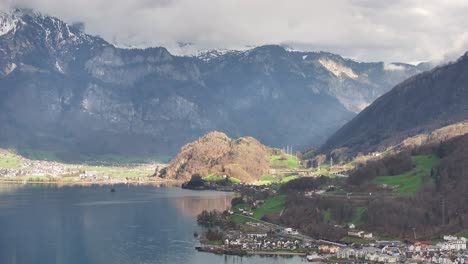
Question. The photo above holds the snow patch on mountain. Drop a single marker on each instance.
(8, 22)
(58, 67)
(338, 69)
(208, 55)
(9, 68)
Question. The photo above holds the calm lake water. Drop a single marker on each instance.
(43, 224)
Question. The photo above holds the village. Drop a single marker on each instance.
(258, 237)
(287, 241)
(22, 170)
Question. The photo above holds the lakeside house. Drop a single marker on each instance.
(451, 250)
(328, 249)
(88, 175)
(291, 231)
(262, 241)
(371, 254)
(452, 243)
(360, 234)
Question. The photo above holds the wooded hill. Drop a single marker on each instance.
(421, 104)
(420, 191)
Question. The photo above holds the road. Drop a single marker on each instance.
(299, 236)
(360, 196)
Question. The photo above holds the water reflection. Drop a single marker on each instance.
(136, 224)
(191, 206)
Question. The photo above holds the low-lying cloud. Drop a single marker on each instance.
(400, 30)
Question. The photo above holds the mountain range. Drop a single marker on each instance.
(67, 91)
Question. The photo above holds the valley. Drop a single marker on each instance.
(139, 154)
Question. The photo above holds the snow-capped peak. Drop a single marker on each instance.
(208, 55)
(8, 22)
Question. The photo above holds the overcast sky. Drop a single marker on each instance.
(367, 30)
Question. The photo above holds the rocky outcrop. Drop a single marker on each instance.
(245, 158)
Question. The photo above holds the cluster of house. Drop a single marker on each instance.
(290, 231)
(247, 211)
(9, 172)
(371, 254)
(360, 234)
(243, 211)
(251, 191)
(453, 243)
(451, 250)
(40, 168)
(328, 249)
(263, 241)
(92, 175)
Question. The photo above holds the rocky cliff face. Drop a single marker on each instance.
(245, 159)
(62, 89)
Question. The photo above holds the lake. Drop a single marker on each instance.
(44, 224)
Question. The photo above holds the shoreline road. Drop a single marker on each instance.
(297, 236)
(360, 196)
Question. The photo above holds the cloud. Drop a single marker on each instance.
(393, 67)
(368, 30)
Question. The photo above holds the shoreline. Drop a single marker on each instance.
(220, 250)
(172, 183)
(276, 253)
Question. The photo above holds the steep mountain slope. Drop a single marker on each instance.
(245, 159)
(69, 92)
(422, 103)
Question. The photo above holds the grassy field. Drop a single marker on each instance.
(9, 161)
(323, 170)
(284, 161)
(272, 205)
(288, 179)
(217, 178)
(462, 234)
(215, 243)
(327, 217)
(238, 217)
(357, 219)
(411, 181)
(268, 179)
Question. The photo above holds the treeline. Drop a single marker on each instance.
(318, 216)
(440, 208)
(213, 235)
(387, 166)
(216, 218)
(304, 184)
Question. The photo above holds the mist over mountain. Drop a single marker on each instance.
(419, 105)
(70, 92)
